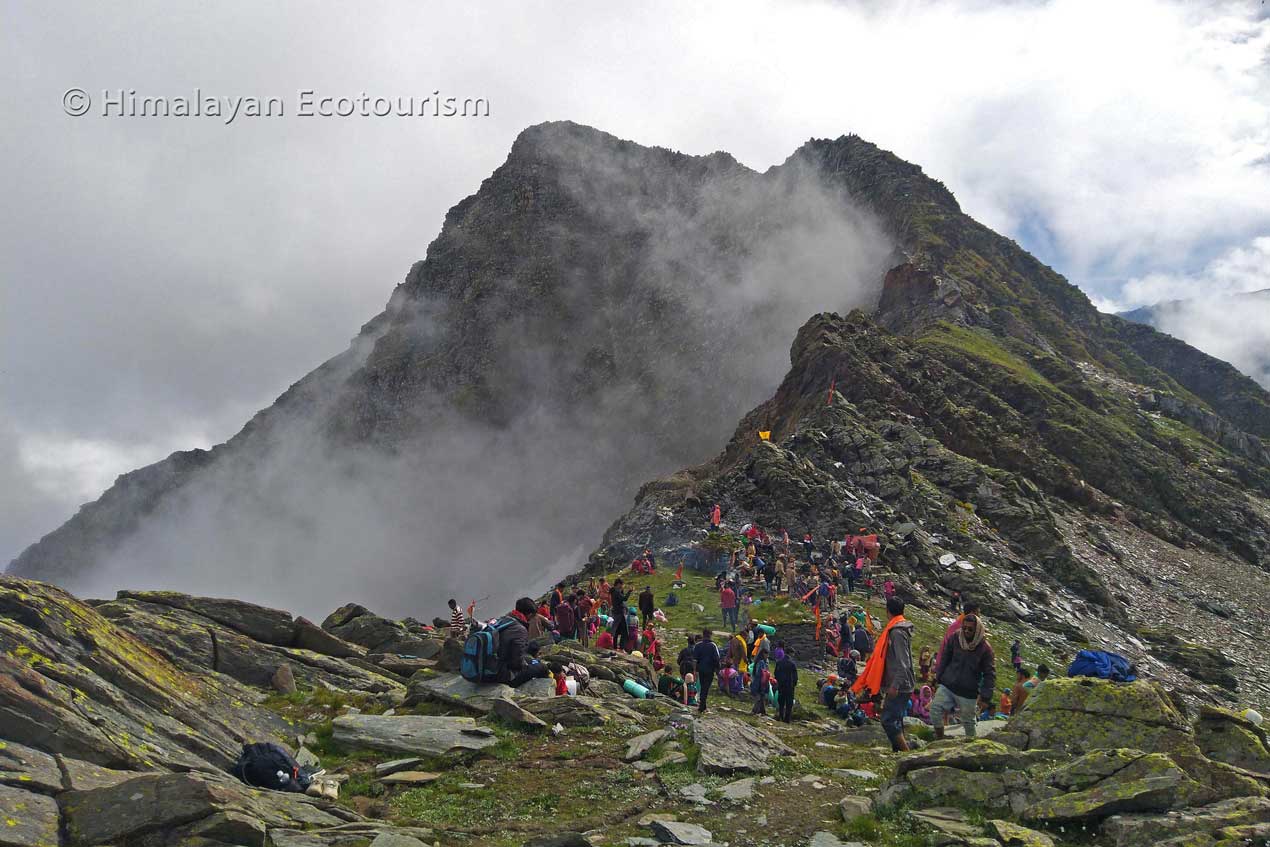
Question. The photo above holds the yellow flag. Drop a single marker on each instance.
(765, 434)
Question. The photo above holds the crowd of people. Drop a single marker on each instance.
(875, 675)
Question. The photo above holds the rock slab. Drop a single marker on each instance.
(678, 832)
(417, 734)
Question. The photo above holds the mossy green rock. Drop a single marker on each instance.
(979, 755)
(945, 784)
(1152, 793)
(1083, 713)
(1091, 768)
(1227, 737)
(1013, 835)
(1133, 830)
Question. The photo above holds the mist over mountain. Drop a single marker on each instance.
(600, 313)
(596, 313)
(1232, 327)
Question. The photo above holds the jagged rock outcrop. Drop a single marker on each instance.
(196, 635)
(74, 683)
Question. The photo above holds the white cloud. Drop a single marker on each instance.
(170, 276)
(1238, 270)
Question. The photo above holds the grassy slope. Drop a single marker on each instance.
(536, 783)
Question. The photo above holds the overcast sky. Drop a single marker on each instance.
(165, 278)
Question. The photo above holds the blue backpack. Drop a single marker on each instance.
(480, 653)
(672, 599)
(1103, 665)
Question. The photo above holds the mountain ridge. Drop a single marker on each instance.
(651, 290)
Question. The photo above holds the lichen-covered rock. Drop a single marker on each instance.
(1083, 713)
(510, 711)
(566, 711)
(359, 625)
(641, 744)
(310, 636)
(944, 784)
(1134, 830)
(26, 767)
(1013, 835)
(166, 802)
(981, 754)
(1093, 767)
(1155, 792)
(1227, 737)
(73, 682)
(259, 623)
(85, 776)
(27, 819)
(197, 644)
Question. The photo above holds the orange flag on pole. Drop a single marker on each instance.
(832, 382)
(817, 623)
(679, 574)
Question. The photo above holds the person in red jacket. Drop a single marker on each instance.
(727, 603)
(716, 518)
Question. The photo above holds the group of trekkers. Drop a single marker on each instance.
(957, 680)
(748, 664)
(876, 675)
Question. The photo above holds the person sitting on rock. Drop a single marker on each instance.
(513, 641)
(829, 692)
(849, 667)
(534, 668)
(921, 703)
(965, 671)
(458, 622)
(730, 680)
(691, 691)
(671, 686)
(1023, 686)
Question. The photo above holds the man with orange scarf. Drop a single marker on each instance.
(889, 672)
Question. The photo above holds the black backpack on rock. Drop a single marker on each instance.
(266, 765)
